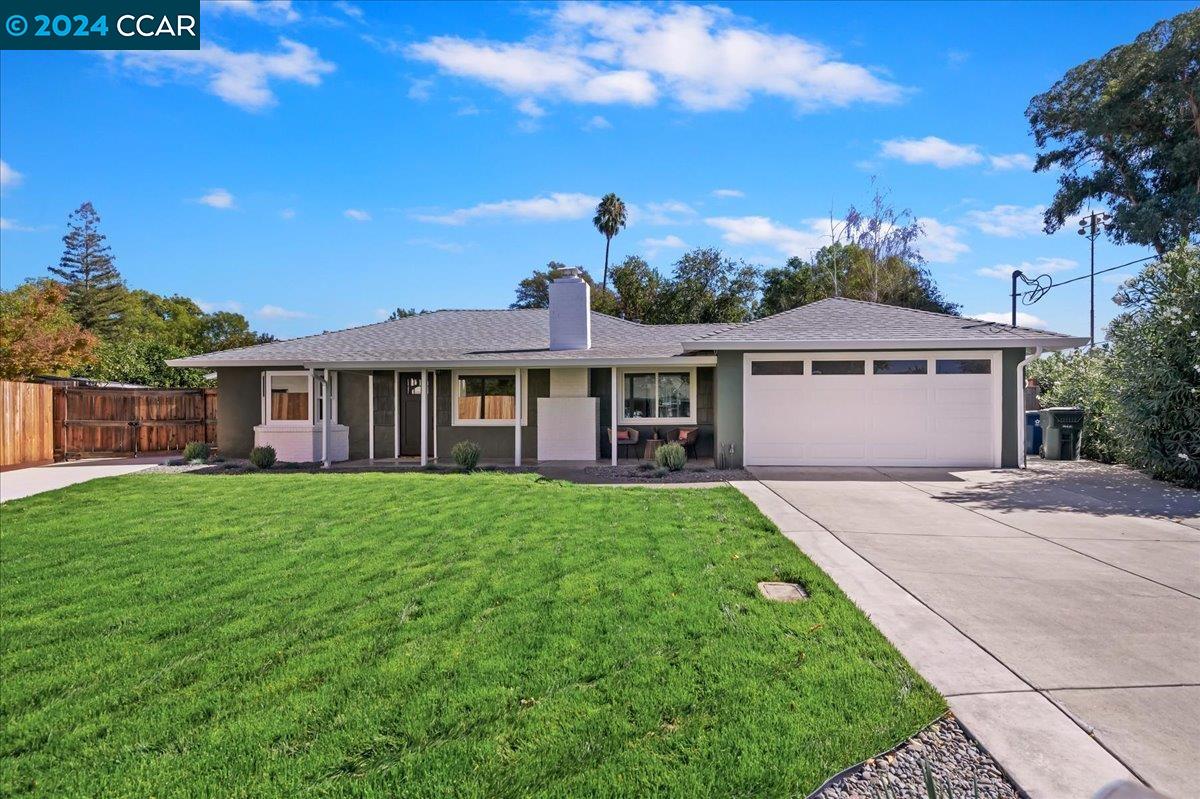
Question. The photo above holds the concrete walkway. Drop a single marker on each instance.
(1057, 609)
(27, 482)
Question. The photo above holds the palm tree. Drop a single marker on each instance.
(609, 219)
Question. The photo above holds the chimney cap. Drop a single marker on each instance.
(568, 273)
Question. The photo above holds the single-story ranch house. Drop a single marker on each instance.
(836, 382)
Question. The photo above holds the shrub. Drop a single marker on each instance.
(671, 456)
(196, 451)
(1086, 379)
(263, 457)
(466, 454)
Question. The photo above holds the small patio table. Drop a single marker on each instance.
(652, 445)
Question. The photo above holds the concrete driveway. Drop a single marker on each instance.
(20, 483)
(1081, 580)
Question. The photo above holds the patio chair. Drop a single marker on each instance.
(626, 437)
(688, 437)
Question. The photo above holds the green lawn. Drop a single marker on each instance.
(425, 635)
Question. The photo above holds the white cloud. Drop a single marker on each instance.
(1009, 221)
(1032, 268)
(357, 214)
(9, 177)
(556, 207)
(530, 108)
(1001, 163)
(420, 89)
(287, 213)
(940, 242)
(761, 230)
(597, 123)
(276, 312)
(728, 193)
(932, 150)
(382, 314)
(349, 9)
(220, 305)
(15, 226)
(671, 212)
(274, 12)
(669, 242)
(1004, 318)
(243, 79)
(217, 198)
(703, 58)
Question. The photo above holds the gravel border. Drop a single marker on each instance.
(953, 757)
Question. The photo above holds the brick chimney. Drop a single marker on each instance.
(570, 311)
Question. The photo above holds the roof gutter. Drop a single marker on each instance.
(844, 345)
(527, 363)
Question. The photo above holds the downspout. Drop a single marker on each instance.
(1037, 352)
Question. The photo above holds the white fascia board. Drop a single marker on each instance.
(528, 363)
(1048, 343)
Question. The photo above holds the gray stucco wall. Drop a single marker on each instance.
(600, 387)
(729, 409)
(1010, 456)
(239, 408)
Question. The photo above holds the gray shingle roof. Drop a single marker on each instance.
(521, 336)
(848, 323)
(463, 336)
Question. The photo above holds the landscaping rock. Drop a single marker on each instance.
(954, 759)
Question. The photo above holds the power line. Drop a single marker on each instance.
(1102, 271)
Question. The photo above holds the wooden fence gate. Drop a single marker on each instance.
(95, 421)
(26, 425)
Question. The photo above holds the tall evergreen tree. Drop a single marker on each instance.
(95, 291)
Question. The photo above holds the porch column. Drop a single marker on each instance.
(325, 419)
(435, 415)
(371, 415)
(396, 415)
(612, 434)
(424, 417)
(517, 423)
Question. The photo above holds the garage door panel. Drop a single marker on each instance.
(869, 419)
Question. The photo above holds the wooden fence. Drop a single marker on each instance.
(26, 424)
(95, 421)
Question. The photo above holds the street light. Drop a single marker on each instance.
(1092, 226)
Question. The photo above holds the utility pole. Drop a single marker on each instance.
(1091, 226)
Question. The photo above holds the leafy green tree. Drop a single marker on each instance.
(609, 219)
(638, 290)
(706, 286)
(179, 322)
(95, 291)
(1086, 379)
(534, 291)
(142, 362)
(1156, 347)
(38, 336)
(1123, 130)
(403, 313)
(849, 270)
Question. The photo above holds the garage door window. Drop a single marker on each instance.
(964, 366)
(891, 367)
(777, 368)
(838, 367)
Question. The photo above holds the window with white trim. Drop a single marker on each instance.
(288, 398)
(482, 399)
(658, 396)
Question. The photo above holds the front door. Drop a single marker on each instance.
(410, 414)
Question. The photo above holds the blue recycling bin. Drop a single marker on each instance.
(1033, 432)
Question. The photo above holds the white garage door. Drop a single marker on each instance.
(880, 409)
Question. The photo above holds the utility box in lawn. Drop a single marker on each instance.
(1062, 433)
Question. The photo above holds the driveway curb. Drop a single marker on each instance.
(1043, 751)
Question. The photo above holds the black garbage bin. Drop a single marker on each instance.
(1062, 433)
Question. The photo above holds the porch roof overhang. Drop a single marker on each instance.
(844, 345)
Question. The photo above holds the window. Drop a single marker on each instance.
(838, 367)
(776, 368)
(288, 397)
(657, 396)
(487, 397)
(915, 367)
(964, 366)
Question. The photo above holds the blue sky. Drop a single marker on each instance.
(317, 164)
